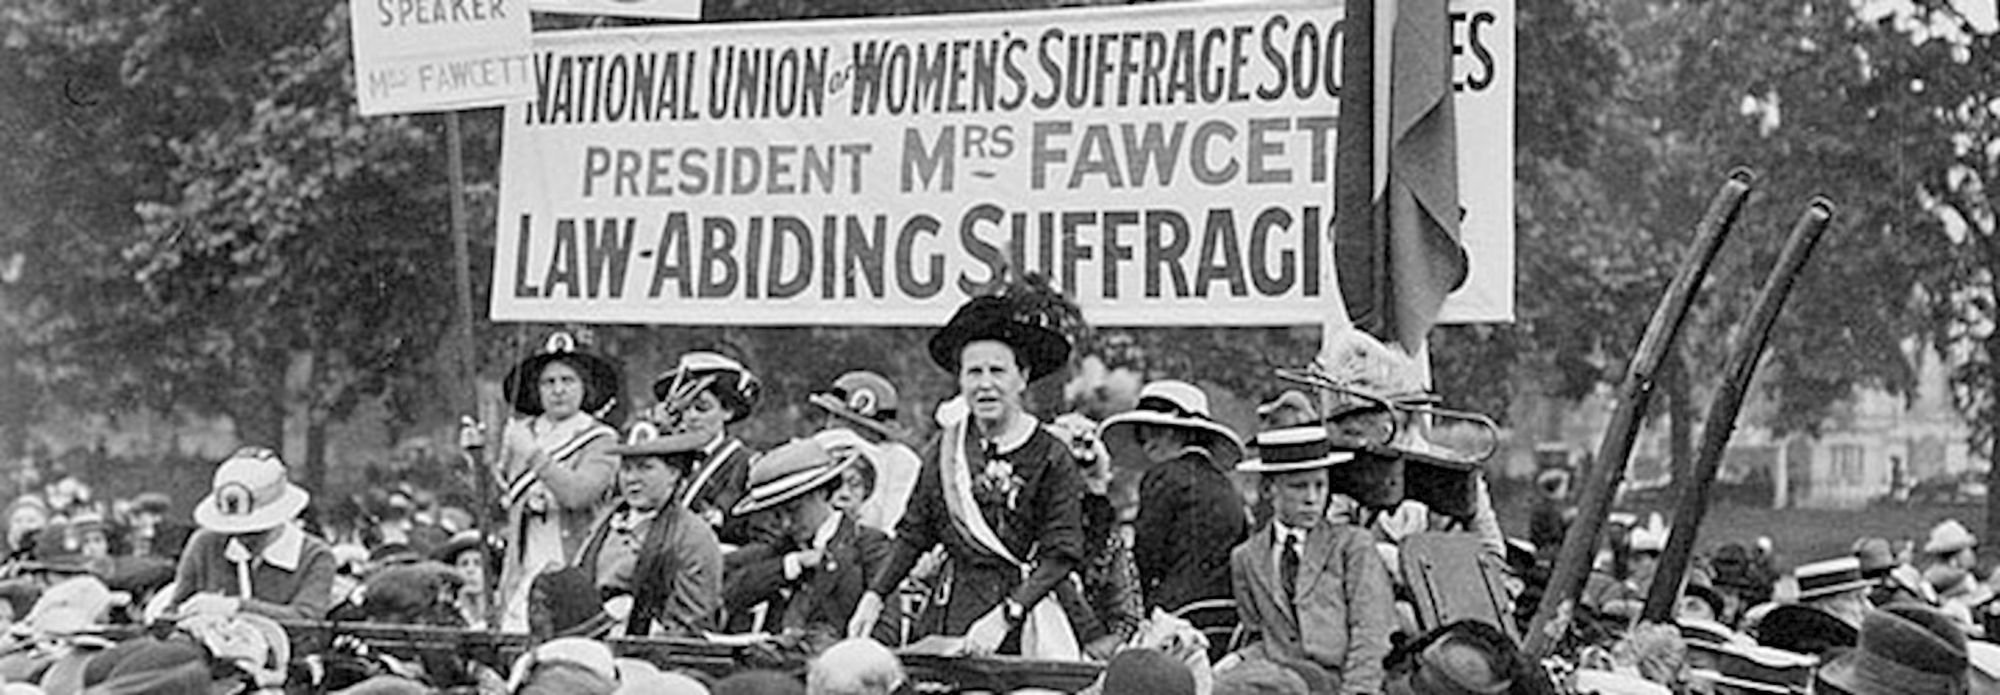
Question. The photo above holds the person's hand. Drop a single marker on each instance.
(1103, 648)
(988, 632)
(209, 603)
(865, 614)
(809, 559)
(471, 433)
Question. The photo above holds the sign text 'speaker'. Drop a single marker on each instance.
(438, 55)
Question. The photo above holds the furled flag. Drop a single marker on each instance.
(1396, 232)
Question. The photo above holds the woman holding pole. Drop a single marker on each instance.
(555, 464)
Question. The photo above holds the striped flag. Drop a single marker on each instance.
(1396, 231)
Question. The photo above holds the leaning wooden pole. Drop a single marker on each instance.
(1721, 421)
(468, 348)
(1600, 483)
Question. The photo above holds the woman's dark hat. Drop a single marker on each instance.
(734, 384)
(1804, 629)
(1041, 349)
(600, 377)
(645, 439)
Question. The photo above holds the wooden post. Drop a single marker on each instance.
(1601, 481)
(468, 349)
(1721, 421)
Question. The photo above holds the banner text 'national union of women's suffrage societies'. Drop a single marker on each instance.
(1167, 164)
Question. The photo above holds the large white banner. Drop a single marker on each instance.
(439, 55)
(1167, 164)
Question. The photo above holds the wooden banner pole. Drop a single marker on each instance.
(1721, 420)
(1601, 481)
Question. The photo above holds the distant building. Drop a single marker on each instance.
(1872, 445)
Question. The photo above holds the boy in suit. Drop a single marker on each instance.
(810, 581)
(1308, 589)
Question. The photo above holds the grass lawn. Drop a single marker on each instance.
(1804, 535)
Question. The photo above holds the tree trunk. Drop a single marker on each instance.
(1992, 455)
(312, 475)
(259, 414)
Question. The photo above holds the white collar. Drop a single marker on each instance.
(710, 448)
(826, 530)
(1286, 531)
(283, 552)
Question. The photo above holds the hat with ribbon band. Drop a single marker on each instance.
(735, 386)
(798, 467)
(1176, 404)
(1293, 449)
(251, 493)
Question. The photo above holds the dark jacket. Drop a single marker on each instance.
(1046, 517)
(678, 581)
(1189, 518)
(821, 599)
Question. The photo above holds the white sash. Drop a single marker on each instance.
(526, 481)
(1046, 632)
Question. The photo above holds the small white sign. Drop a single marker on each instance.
(689, 10)
(439, 55)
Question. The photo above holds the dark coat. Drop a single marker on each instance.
(721, 480)
(1046, 518)
(684, 595)
(820, 601)
(1189, 518)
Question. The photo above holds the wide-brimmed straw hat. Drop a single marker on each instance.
(1949, 536)
(1293, 449)
(251, 493)
(1753, 669)
(1177, 404)
(523, 388)
(1040, 348)
(735, 385)
(864, 399)
(784, 473)
(1829, 577)
(1903, 649)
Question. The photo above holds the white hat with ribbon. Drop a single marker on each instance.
(251, 493)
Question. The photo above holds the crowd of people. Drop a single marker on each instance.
(1336, 550)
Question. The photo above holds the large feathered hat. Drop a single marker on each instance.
(1029, 316)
